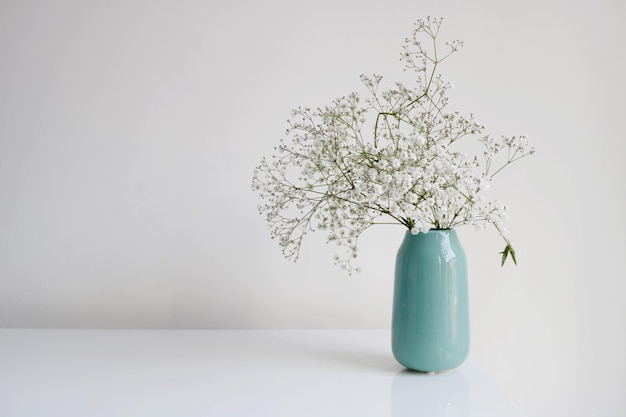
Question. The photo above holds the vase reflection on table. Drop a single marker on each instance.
(442, 395)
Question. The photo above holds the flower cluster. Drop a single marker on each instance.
(392, 157)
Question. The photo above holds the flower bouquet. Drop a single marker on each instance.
(392, 155)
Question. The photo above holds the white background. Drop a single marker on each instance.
(129, 131)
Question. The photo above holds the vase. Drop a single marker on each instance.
(430, 323)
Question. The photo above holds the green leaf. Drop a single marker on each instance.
(505, 253)
(513, 256)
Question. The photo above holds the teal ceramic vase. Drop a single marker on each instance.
(430, 324)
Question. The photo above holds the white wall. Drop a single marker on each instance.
(129, 131)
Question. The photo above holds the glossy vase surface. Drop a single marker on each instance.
(430, 325)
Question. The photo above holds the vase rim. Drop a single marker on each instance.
(452, 229)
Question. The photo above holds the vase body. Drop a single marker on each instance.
(430, 324)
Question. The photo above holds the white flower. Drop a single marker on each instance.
(483, 184)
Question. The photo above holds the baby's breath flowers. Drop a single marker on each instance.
(392, 157)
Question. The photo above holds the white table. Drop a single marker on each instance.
(115, 373)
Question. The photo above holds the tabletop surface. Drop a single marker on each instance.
(229, 373)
